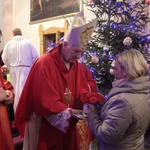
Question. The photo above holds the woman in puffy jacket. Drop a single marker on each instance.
(124, 118)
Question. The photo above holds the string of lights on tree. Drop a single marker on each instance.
(121, 25)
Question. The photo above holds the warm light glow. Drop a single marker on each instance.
(90, 2)
(119, 1)
(8, 77)
(147, 2)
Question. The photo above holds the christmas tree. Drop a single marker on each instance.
(121, 25)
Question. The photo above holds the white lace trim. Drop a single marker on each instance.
(60, 120)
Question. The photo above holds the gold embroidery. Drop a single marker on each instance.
(85, 35)
(82, 130)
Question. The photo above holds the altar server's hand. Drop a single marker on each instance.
(9, 98)
(3, 94)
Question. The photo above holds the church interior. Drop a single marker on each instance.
(42, 22)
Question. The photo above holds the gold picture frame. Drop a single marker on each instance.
(45, 10)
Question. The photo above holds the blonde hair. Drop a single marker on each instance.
(17, 31)
(133, 62)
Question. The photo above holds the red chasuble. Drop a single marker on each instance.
(43, 94)
(84, 136)
(6, 142)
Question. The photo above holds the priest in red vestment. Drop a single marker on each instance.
(51, 101)
(6, 98)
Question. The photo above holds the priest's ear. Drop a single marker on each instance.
(65, 44)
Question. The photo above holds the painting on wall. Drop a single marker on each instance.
(43, 10)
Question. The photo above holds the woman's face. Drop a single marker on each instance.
(119, 72)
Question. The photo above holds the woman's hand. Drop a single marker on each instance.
(90, 107)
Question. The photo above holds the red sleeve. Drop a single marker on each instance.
(90, 79)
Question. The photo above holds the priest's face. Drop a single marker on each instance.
(71, 53)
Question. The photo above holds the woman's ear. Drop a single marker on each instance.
(124, 74)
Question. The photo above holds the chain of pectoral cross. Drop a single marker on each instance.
(67, 93)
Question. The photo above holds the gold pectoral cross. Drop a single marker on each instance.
(68, 96)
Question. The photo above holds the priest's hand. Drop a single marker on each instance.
(76, 113)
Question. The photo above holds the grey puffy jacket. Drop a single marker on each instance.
(124, 117)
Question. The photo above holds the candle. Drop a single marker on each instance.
(8, 77)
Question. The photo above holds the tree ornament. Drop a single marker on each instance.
(105, 47)
(94, 59)
(147, 2)
(127, 41)
(119, 2)
(90, 2)
(112, 69)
